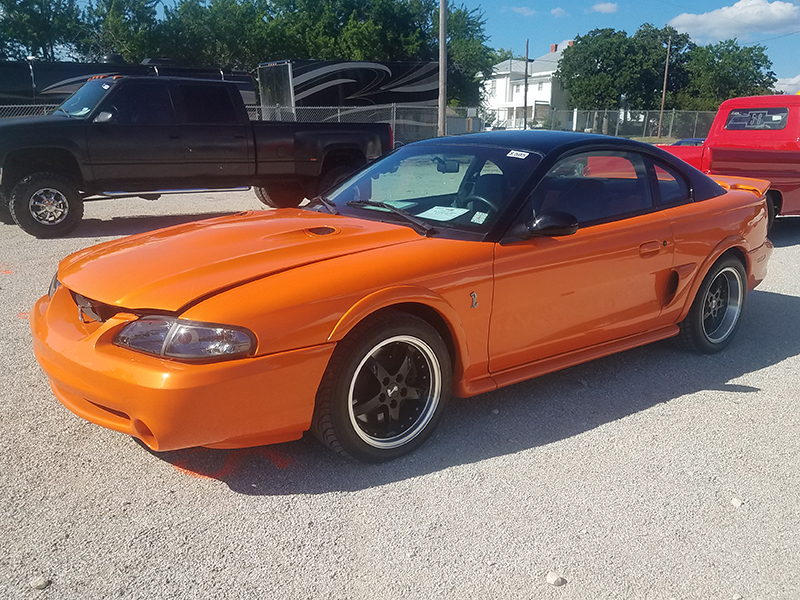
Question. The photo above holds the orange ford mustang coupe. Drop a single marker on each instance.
(450, 266)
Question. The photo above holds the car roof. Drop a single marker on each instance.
(556, 143)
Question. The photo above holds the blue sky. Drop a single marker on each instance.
(775, 24)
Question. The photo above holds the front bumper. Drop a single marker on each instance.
(170, 404)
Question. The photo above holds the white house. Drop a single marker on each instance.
(505, 91)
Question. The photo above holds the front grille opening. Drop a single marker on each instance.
(116, 413)
(94, 310)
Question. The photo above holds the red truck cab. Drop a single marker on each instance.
(758, 137)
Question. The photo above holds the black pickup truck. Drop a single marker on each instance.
(147, 136)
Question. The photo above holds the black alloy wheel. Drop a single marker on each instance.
(385, 388)
(716, 312)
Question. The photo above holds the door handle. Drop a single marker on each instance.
(650, 248)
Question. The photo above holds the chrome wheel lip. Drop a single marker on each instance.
(48, 206)
(431, 403)
(732, 305)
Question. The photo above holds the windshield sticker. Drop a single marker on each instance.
(105, 86)
(518, 154)
(443, 213)
(479, 217)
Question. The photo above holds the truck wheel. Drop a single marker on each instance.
(333, 176)
(46, 205)
(772, 211)
(280, 195)
(5, 212)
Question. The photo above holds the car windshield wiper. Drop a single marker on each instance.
(419, 224)
(64, 111)
(323, 201)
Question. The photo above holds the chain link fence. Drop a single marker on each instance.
(412, 123)
(642, 125)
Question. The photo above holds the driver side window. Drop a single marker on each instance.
(595, 187)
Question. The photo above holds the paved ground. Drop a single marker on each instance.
(653, 474)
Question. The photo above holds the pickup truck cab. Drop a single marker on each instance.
(146, 136)
(757, 137)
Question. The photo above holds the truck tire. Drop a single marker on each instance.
(280, 195)
(333, 176)
(46, 205)
(5, 212)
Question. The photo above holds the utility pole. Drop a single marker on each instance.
(442, 67)
(525, 105)
(664, 88)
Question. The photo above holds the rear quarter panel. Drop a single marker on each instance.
(703, 231)
(690, 154)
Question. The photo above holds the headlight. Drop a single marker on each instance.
(188, 340)
(54, 285)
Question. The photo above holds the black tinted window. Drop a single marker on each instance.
(672, 189)
(595, 187)
(208, 104)
(141, 103)
(757, 118)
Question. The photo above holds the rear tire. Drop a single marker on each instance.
(716, 311)
(384, 390)
(5, 211)
(333, 176)
(46, 205)
(280, 195)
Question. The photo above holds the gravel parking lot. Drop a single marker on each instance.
(652, 474)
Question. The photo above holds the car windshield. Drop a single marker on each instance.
(438, 187)
(84, 100)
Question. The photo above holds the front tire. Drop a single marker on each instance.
(716, 312)
(46, 205)
(384, 390)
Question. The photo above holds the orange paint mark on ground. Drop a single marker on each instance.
(24, 315)
(6, 272)
(233, 462)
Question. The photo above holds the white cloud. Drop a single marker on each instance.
(558, 12)
(605, 7)
(523, 10)
(743, 19)
(788, 86)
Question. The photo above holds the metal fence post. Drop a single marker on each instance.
(671, 122)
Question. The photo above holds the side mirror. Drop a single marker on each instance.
(105, 117)
(554, 223)
(547, 224)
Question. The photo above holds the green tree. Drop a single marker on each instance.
(39, 28)
(221, 33)
(127, 27)
(596, 70)
(725, 70)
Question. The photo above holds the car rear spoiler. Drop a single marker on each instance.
(758, 186)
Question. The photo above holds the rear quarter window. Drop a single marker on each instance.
(757, 118)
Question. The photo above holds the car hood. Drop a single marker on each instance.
(171, 268)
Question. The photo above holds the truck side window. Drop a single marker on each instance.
(672, 189)
(208, 104)
(142, 103)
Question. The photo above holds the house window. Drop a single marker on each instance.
(540, 87)
(494, 87)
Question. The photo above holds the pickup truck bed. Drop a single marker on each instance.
(147, 136)
(756, 137)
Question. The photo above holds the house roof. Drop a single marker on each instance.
(544, 65)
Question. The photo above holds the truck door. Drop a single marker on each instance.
(216, 135)
(140, 141)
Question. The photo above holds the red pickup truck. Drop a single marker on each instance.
(758, 137)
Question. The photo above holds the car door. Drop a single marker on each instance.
(216, 138)
(140, 142)
(609, 280)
